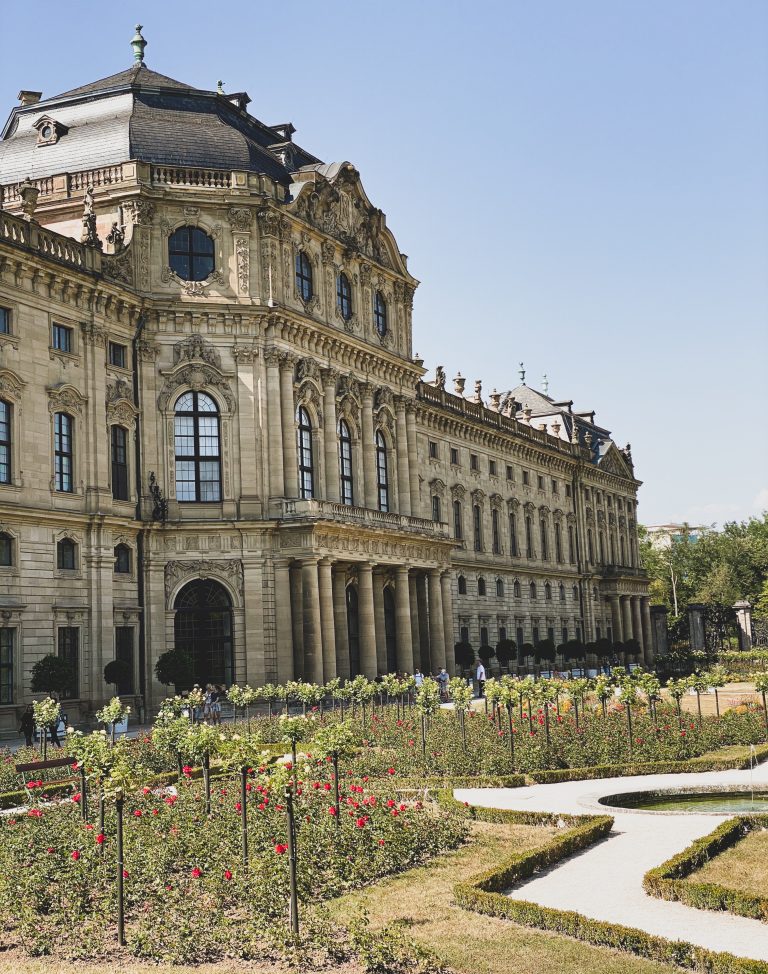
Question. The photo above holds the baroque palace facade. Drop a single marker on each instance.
(214, 434)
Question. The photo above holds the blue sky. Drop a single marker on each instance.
(582, 186)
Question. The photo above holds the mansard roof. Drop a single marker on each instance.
(139, 114)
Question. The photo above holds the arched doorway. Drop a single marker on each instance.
(203, 630)
(353, 631)
(390, 629)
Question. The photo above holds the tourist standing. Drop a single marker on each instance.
(418, 678)
(442, 679)
(27, 725)
(480, 677)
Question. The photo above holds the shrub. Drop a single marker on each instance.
(174, 668)
(464, 654)
(51, 674)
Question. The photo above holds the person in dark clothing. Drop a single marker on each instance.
(54, 732)
(27, 725)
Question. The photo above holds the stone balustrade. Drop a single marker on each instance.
(292, 509)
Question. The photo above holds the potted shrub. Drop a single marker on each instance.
(526, 652)
(485, 653)
(174, 668)
(117, 671)
(505, 651)
(545, 652)
(632, 650)
(464, 655)
(51, 674)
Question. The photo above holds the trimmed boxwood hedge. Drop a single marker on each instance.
(656, 767)
(485, 893)
(668, 881)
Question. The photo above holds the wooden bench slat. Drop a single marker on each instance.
(42, 765)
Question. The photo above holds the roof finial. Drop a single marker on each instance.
(545, 383)
(220, 87)
(522, 373)
(138, 44)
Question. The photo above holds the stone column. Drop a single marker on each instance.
(403, 621)
(369, 453)
(616, 625)
(744, 619)
(297, 622)
(427, 665)
(340, 622)
(637, 623)
(648, 649)
(414, 609)
(403, 466)
(274, 424)
(368, 663)
(626, 618)
(249, 432)
(413, 458)
(313, 645)
(448, 629)
(436, 630)
(379, 625)
(659, 623)
(283, 620)
(287, 410)
(331, 441)
(327, 620)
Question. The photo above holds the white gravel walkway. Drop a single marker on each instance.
(605, 881)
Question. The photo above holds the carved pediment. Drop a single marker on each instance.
(196, 348)
(196, 377)
(615, 462)
(65, 398)
(10, 384)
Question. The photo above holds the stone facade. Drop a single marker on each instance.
(311, 567)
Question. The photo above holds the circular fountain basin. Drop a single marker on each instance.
(701, 801)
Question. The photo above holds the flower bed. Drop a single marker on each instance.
(668, 881)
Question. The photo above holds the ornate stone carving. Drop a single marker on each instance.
(269, 221)
(383, 398)
(329, 376)
(229, 571)
(243, 260)
(437, 486)
(244, 353)
(119, 389)
(196, 348)
(146, 349)
(458, 492)
(309, 394)
(240, 217)
(10, 384)
(118, 267)
(193, 289)
(139, 212)
(196, 377)
(93, 334)
(65, 398)
(307, 369)
(348, 386)
(478, 496)
(328, 251)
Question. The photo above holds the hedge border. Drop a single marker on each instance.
(668, 881)
(629, 769)
(483, 893)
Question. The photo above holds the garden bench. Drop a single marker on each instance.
(31, 766)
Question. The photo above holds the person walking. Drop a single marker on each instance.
(27, 725)
(418, 678)
(480, 677)
(442, 679)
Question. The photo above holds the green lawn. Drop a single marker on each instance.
(422, 900)
(743, 867)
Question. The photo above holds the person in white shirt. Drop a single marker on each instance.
(418, 678)
(480, 677)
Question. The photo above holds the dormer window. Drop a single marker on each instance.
(49, 131)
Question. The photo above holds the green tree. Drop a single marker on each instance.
(51, 674)
(174, 668)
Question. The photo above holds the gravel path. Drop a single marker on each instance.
(605, 881)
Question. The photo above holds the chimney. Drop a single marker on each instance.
(29, 98)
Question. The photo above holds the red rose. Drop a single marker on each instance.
(75, 855)
(227, 874)
(390, 770)
(197, 872)
(100, 838)
(280, 848)
(332, 810)
(137, 813)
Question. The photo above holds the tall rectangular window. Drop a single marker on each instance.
(306, 466)
(458, 527)
(510, 472)
(492, 468)
(345, 463)
(5, 442)
(571, 545)
(495, 532)
(483, 635)
(432, 450)
(520, 638)
(454, 456)
(477, 524)
(63, 452)
(7, 646)
(513, 536)
(5, 321)
(474, 463)
(526, 478)
(436, 513)
(69, 650)
(564, 634)
(558, 543)
(119, 437)
(529, 538)
(544, 539)
(124, 653)
(61, 338)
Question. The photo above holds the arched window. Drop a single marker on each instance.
(547, 591)
(197, 449)
(306, 467)
(190, 254)
(436, 512)
(202, 627)
(477, 525)
(481, 586)
(495, 537)
(5, 442)
(575, 592)
(122, 559)
(382, 474)
(462, 585)
(344, 296)
(532, 591)
(6, 550)
(516, 589)
(458, 527)
(303, 276)
(119, 449)
(380, 313)
(499, 588)
(562, 592)
(345, 464)
(63, 452)
(66, 555)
